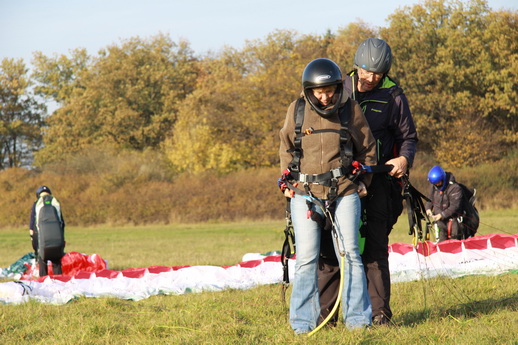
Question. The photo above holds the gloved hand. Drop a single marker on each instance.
(436, 217)
(429, 213)
(282, 181)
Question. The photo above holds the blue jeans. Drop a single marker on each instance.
(305, 304)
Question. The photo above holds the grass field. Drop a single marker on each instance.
(468, 310)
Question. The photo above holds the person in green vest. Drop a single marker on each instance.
(390, 120)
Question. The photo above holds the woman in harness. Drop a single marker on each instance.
(316, 153)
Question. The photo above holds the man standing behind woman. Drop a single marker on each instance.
(390, 120)
(315, 159)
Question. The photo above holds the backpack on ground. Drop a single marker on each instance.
(51, 235)
(470, 217)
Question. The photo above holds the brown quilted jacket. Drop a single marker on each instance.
(321, 151)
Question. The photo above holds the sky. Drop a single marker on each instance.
(56, 27)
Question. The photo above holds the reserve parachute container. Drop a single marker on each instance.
(51, 234)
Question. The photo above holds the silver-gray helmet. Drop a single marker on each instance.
(374, 55)
(320, 73)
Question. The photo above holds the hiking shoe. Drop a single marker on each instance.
(380, 320)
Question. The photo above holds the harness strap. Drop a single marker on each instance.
(415, 209)
(330, 178)
(310, 131)
(375, 169)
(297, 149)
(346, 145)
(324, 179)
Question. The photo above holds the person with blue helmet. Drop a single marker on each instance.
(445, 205)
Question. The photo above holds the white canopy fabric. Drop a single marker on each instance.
(488, 255)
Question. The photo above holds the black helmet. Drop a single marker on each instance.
(41, 190)
(320, 73)
(374, 55)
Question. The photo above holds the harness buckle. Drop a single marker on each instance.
(309, 131)
(337, 173)
(333, 189)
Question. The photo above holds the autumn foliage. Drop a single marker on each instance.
(149, 131)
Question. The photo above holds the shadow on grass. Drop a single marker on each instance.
(471, 309)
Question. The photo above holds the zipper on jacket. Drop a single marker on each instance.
(321, 147)
(363, 104)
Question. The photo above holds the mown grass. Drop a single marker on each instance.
(468, 310)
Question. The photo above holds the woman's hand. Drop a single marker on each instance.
(290, 193)
(362, 189)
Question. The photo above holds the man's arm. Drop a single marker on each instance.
(405, 137)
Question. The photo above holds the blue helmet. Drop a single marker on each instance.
(436, 175)
(41, 190)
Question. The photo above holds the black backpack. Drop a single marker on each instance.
(470, 216)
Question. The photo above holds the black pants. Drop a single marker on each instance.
(328, 277)
(56, 266)
(382, 206)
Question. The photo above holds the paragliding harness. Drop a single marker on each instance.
(415, 204)
(470, 219)
(51, 238)
(288, 248)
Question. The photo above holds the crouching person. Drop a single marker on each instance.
(445, 205)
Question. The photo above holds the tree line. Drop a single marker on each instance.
(221, 112)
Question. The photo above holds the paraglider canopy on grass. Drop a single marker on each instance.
(89, 276)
